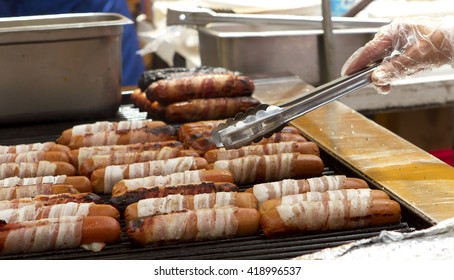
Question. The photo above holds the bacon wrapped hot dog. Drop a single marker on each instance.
(262, 149)
(56, 234)
(23, 148)
(178, 202)
(101, 161)
(199, 86)
(124, 199)
(42, 168)
(37, 212)
(80, 183)
(208, 108)
(329, 215)
(8, 193)
(140, 135)
(104, 179)
(278, 189)
(192, 225)
(78, 156)
(177, 178)
(46, 200)
(105, 126)
(347, 194)
(34, 157)
(254, 169)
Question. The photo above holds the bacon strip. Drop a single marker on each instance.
(199, 86)
(123, 200)
(325, 215)
(202, 224)
(286, 187)
(43, 235)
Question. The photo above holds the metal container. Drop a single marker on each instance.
(59, 67)
(253, 49)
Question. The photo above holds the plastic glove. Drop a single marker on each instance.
(406, 46)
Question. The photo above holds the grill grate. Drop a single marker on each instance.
(254, 247)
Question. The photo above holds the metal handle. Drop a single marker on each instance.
(201, 17)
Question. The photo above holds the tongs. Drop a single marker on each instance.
(196, 16)
(264, 120)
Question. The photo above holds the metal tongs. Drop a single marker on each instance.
(264, 120)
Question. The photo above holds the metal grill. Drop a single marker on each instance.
(253, 247)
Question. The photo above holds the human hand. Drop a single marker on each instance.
(406, 46)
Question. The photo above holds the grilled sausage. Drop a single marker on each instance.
(199, 86)
(104, 179)
(279, 137)
(123, 200)
(262, 149)
(56, 234)
(36, 212)
(100, 161)
(81, 183)
(178, 202)
(208, 108)
(77, 156)
(42, 168)
(140, 135)
(201, 224)
(254, 169)
(46, 200)
(321, 196)
(330, 215)
(8, 193)
(23, 148)
(105, 126)
(34, 156)
(150, 76)
(184, 177)
(285, 187)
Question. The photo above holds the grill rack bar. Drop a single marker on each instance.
(252, 247)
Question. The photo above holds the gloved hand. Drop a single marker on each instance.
(406, 46)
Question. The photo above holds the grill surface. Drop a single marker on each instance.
(254, 247)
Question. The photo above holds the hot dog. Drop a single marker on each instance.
(263, 149)
(178, 202)
(56, 234)
(208, 108)
(34, 156)
(120, 137)
(254, 169)
(201, 224)
(282, 137)
(199, 86)
(123, 200)
(36, 212)
(77, 156)
(105, 126)
(177, 178)
(46, 200)
(329, 215)
(150, 76)
(100, 161)
(81, 183)
(322, 196)
(42, 168)
(282, 188)
(23, 148)
(8, 193)
(104, 179)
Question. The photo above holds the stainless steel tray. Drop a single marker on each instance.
(60, 67)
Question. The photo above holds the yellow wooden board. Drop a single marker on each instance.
(399, 167)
